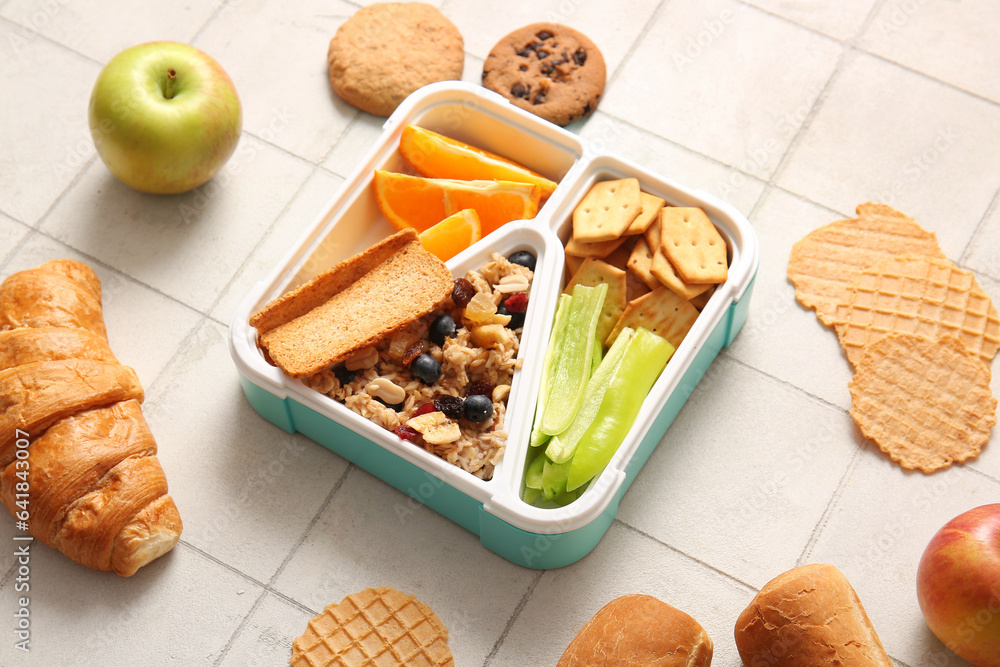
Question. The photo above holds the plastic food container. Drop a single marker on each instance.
(351, 221)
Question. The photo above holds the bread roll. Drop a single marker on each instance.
(807, 616)
(638, 630)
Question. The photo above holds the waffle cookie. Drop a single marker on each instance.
(824, 263)
(921, 295)
(377, 627)
(925, 402)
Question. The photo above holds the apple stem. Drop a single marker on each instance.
(171, 80)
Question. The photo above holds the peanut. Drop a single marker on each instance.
(386, 390)
(363, 358)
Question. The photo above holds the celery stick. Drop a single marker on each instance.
(572, 363)
(558, 327)
(641, 364)
(561, 447)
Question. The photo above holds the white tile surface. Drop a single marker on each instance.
(99, 31)
(880, 554)
(782, 337)
(381, 541)
(246, 489)
(300, 113)
(920, 138)
(940, 39)
(715, 62)
(762, 470)
(45, 134)
(751, 440)
(207, 232)
(840, 20)
(185, 606)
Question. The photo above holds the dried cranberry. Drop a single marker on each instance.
(424, 409)
(462, 292)
(480, 387)
(453, 407)
(406, 432)
(516, 302)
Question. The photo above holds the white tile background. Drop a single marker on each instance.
(795, 111)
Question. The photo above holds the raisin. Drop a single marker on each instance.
(539, 97)
(406, 432)
(413, 352)
(453, 407)
(462, 292)
(480, 387)
(517, 302)
(580, 56)
(543, 35)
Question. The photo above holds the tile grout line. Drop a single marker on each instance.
(698, 561)
(990, 208)
(513, 618)
(268, 587)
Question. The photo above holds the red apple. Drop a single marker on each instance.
(958, 585)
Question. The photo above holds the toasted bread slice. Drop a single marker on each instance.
(352, 305)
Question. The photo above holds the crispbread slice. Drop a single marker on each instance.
(352, 305)
(693, 245)
(607, 210)
(662, 312)
(925, 402)
(916, 294)
(825, 262)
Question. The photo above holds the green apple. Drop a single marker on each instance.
(164, 116)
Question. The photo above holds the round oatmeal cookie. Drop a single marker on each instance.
(387, 50)
(548, 69)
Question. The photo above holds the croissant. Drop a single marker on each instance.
(96, 490)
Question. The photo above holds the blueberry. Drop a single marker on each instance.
(478, 408)
(426, 368)
(524, 258)
(516, 319)
(443, 327)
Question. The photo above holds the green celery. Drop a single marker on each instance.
(560, 448)
(571, 364)
(538, 438)
(641, 364)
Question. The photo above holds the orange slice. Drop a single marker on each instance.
(452, 235)
(414, 202)
(437, 156)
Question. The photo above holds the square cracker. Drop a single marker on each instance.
(663, 270)
(640, 262)
(661, 311)
(600, 249)
(693, 245)
(607, 210)
(594, 272)
(651, 205)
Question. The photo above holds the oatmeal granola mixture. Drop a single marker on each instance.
(480, 357)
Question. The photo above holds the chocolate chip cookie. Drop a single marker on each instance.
(549, 69)
(387, 50)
